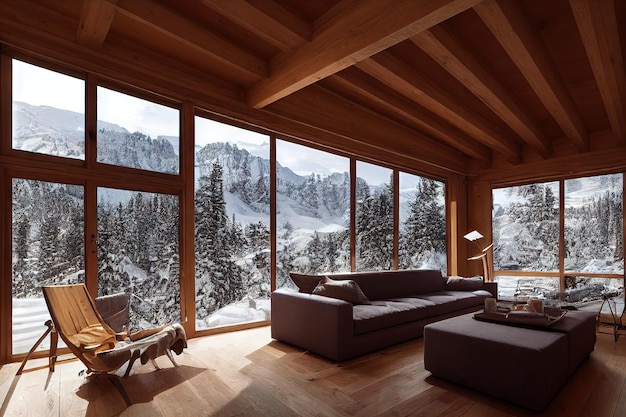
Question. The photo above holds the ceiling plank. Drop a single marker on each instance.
(409, 82)
(451, 54)
(521, 42)
(326, 110)
(373, 91)
(95, 21)
(599, 31)
(351, 37)
(267, 20)
(205, 42)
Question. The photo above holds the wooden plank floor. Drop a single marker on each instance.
(247, 373)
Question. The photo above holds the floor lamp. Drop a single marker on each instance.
(485, 255)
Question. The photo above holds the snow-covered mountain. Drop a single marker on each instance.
(58, 132)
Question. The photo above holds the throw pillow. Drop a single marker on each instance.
(456, 283)
(305, 283)
(346, 290)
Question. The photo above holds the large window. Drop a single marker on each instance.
(422, 242)
(137, 133)
(232, 237)
(48, 111)
(312, 213)
(48, 248)
(374, 217)
(594, 241)
(132, 217)
(138, 253)
(528, 226)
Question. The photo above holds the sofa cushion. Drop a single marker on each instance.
(455, 283)
(445, 302)
(346, 290)
(305, 283)
(385, 285)
(381, 314)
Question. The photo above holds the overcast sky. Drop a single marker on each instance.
(42, 87)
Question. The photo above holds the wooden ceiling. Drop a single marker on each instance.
(462, 85)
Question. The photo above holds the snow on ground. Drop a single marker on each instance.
(29, 317)
(238, 313)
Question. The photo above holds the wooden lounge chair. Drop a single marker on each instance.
(79, 324)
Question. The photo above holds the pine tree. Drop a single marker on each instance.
(424, 231)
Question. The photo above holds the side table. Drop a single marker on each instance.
(608, 299)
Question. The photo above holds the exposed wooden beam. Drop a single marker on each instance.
(267, 20)
(512, 29)
(326, 110)
(409, 82)
(373, 91)
(598, 28)
(205, 42)
(95, 21)
(351, 37)
(450, 53)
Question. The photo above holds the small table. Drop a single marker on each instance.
(608, 298)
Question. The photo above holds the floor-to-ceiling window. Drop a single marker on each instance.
(422, 240)
(134, 235)
(594, 239)
(98, 196)
(374, 217)
(232, 237)
(48, 117)
(312, 211)
(138, 230)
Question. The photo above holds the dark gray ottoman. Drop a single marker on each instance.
(525, 366)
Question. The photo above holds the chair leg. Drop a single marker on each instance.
(169, 355)
(132, 360)
(54, 340)
(36, 345)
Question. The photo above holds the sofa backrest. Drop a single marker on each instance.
(392, 284)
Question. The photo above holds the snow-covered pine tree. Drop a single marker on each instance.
(424, 231)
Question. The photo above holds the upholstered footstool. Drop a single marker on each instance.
(525, 366)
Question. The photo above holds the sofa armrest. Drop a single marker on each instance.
(320, 324)
(492, 287)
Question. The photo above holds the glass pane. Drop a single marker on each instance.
(138, 253)
(422, 223)
(594, 241)
(137, 133)
(374, 217)
(587, 292)
(48, 112)
(312, 212)
(526, 227)
(526, 287)
(48, 248)
(232, 237)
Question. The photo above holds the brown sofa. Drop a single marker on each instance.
(398, 306)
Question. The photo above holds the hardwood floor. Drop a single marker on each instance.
(247, 373)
